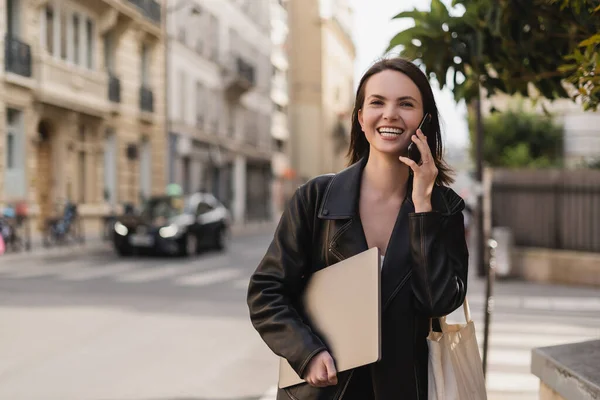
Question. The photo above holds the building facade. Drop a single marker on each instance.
(321, 74)
(284, 181)
(219, 102)
(82, 100)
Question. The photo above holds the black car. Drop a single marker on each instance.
(174, 225)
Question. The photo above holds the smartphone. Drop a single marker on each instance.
(413, 150)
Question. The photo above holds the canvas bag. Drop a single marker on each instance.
(455, 371)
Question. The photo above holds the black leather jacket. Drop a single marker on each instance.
(424, 275)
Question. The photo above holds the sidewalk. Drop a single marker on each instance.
(95, 243)
(525, 315)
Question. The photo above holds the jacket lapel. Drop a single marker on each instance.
(397, 264)
(345, 235)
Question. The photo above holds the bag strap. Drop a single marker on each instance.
(443, 324)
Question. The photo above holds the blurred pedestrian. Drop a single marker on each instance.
(383, 199)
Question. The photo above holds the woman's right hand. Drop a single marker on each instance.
(321, 371)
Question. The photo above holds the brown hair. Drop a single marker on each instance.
(359, 146)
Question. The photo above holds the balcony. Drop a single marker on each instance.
(240, 77)
(114, 89)
(17, 56)
(71, 87)
(149, 8)
(146, 99)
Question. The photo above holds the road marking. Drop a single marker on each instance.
(241, 283)
(98, 271)
(32, 271)
(208, 277)
(148, 274)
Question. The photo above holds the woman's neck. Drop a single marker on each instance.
(385, 176)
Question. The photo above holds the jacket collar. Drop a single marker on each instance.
(341, 196)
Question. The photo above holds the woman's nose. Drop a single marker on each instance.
(390, 113)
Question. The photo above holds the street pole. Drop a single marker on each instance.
(489, 302)
(479, 161)
(480, 242)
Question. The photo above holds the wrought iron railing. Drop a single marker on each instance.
(150, 8)
(17, 56)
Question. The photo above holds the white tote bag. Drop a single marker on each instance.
(455, 369)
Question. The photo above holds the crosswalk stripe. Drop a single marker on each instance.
(97, 271)
(148, 274)
(32, 271)
(241, 283)
(208, 277)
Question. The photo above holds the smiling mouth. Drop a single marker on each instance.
(391, 133)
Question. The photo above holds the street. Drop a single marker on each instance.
(98, 327)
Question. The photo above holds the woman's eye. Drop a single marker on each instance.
(406, 104)
(376, 102)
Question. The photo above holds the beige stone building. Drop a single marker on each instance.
(82, 93)
(321, 75)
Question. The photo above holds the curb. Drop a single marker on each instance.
(97, 244)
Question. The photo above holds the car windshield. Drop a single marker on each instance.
(163, 207)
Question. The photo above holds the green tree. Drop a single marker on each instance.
(508, 45)
(516, 139)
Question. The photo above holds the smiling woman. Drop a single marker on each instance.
(383, 200)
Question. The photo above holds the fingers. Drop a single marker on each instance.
(331, 372)
(413, 165)
(421, 141)
(323, 373)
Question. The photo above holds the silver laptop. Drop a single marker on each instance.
(343, 302)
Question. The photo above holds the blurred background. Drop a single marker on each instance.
(149, 147)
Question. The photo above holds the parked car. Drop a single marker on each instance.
(179, 225)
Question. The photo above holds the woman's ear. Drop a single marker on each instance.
(360, 119)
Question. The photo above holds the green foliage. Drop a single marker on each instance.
(509, 44)
(516, 139)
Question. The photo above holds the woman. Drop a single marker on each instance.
(383, 199)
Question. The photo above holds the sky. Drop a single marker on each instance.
(373, 29)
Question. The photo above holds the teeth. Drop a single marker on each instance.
(390, 131)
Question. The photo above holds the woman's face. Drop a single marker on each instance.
(391, 112)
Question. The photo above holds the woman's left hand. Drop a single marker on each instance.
(424, 174)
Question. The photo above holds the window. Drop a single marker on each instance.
(68, 34)
(14, 172)
(145, 65)
(199, 104)
(214, 37)
(90, 45)
(182, 94)
(12, 18)
(75, 35)
(110, 168)
(49, 28)
(82, 173)
(63, 34)
(146, 168)
(109, 52)
(216, 99)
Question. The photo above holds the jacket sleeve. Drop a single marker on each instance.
(440, 255)
(278, 281)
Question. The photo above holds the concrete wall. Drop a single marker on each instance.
(557, 266)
